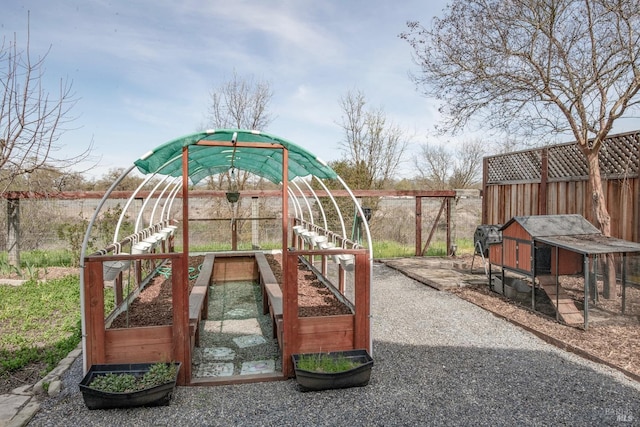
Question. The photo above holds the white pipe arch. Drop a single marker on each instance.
(306, 201)
(296, 204)
(127, 204)
(139, 219)
(159, 198)
(166, 209)
(335, 205)
(324, 216)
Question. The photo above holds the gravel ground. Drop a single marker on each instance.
(439, 360)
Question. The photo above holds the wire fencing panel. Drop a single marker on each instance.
(42, 221)
(395, 219)
(258, 221)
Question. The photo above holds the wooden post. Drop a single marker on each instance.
(94, 313)
(234, 234)
(418, 226)
(181, 337)
(13, 231)
(180, 285)
(485, 178)
(138, 272)
(587, 279)
(289, 280)
(448, 220)
(290, 339)
(636, 216)
(324, 265)
(362, 330)
(117, 288)
(255, 213)
(544, 178)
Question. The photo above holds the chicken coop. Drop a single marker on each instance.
(541, 248)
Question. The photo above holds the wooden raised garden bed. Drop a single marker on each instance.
(146, 333)
(324, 322)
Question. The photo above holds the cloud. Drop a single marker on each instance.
(288, 26)
(144, 69)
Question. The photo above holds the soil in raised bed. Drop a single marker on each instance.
(153, 307)
(314, 298)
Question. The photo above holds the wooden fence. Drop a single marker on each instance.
(554, 180)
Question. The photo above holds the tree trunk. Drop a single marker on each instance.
(603, 219)
(13, 232)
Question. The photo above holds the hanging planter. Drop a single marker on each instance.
(327, 245)
(309, 237)
(233, 196)
(111, 269)
(336, 369)
(152, 240)
(347, 261)
(319, 241)
(170, 230)
(141, 248)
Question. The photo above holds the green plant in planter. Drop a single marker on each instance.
(324, 363)
(158, 374)
(115, 383)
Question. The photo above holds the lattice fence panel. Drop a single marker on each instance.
(519, 166)
(567, 161)
(619, 157)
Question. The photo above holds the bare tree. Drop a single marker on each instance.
(48, 179)
(554, 66)
(467, 168)
(441, 168)
(510, 144)
(31, 123)
(241, 103)
(128, 183)
(433, 165)
(372, 143)
(31, 119)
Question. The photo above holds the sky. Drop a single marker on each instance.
(143, 71)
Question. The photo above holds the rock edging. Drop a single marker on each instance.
(18, 407)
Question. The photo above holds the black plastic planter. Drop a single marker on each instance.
(355, 377)
(159, 395)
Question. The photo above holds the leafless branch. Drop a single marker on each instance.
(372, 143)
(32, 120)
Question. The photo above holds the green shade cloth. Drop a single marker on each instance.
(207, 160)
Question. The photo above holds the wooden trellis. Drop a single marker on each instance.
(554, 180)
(619, 159)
